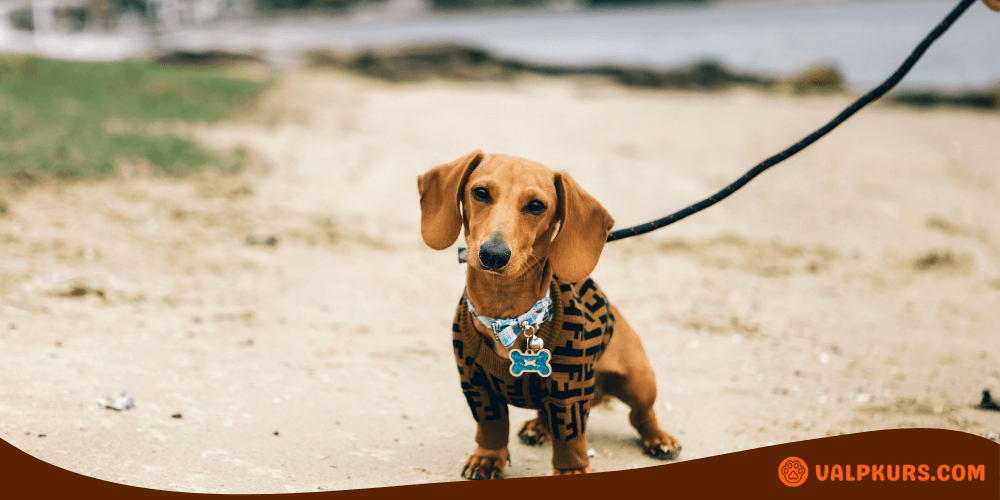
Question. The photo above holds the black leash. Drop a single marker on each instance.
(788, 153)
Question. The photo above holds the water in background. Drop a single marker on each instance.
(865, 40)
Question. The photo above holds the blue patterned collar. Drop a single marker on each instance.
(506, 331)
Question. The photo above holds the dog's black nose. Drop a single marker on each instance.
(494, 255)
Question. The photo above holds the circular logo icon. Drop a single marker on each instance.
(793, 471)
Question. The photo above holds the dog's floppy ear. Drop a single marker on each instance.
(440, 193)
(583, 229)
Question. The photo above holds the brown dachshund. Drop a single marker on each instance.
(534, 236)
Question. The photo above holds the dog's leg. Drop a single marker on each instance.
(568, 425)
(535, 432)
(638, 391)
(570, 456)
(486, 464)
(624, 373)
(491, 456)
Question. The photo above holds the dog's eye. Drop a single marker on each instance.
(536, 207)
(481, 194)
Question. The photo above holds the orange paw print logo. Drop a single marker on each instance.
(793, 471)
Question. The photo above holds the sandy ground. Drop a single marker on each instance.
(852, 288)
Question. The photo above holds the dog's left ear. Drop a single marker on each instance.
(440, 193)
(583, 230)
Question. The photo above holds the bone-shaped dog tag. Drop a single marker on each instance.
(537, 362)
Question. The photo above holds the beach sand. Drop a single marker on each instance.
(852, 288)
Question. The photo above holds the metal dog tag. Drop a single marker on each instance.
(537, 362)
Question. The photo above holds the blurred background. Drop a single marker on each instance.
(860, 39)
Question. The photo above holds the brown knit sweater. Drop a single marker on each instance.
(581, 326)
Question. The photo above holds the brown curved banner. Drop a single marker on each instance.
(910, 463)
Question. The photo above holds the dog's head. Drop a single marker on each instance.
(516, 213)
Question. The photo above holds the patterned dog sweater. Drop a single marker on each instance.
(581, 327)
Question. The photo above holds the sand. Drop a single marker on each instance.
(854, 287)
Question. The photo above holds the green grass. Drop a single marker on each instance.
(83, 120)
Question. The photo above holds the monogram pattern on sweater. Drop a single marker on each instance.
(580, 329)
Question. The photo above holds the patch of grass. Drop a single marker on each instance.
(82, 120)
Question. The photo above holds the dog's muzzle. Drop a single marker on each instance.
(494, 256)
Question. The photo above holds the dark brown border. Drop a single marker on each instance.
(748, 473)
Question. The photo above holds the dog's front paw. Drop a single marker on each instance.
(486, 464)
(663, 446)
(570, 472)
(534, 432)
